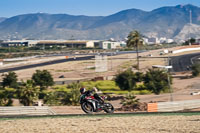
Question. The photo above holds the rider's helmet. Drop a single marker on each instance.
(82, 90)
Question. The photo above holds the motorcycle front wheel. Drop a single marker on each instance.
(87, 107)
(109, 108)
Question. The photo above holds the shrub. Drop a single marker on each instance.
(52, 98)
(129, 99)
(104, 85)
(42, 79)
(126, 80)
(10, 80)
(72, 97)
(28, 93)
(196, 69)
(63, 95)
(156, 80)
(6, 95)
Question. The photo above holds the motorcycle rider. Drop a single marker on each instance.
(96, 96)
(85, 93)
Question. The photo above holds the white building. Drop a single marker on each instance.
(109, 44)
(163, 40)
(153, 40)
(170, 41)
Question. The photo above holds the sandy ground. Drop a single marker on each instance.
(130, 124)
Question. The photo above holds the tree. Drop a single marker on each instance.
(135, 40)
(126, 80)
(28, 93)
(72, 97)
(10, 80)
(196, 69)
(190, 41)
(43, 79)
(63, 97)
(156, 80)
(6, 95)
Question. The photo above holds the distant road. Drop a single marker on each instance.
(45, 63)
(90, 56)
(183, 62)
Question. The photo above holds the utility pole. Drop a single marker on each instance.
(190, 27)
(168, 77)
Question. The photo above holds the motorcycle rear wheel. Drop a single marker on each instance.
(87, 108)
(109, 108)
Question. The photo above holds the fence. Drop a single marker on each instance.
(26, 110)
(173, 106)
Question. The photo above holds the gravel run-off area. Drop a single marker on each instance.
(103, 124)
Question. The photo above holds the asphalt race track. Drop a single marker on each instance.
(183, 62)
(45, 63)
(179, 63)
(186, 113)
(64, 60)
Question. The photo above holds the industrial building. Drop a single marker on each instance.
(62, 43)
(109, 44)
(69, 43)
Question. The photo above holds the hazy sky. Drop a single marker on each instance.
(10, 8)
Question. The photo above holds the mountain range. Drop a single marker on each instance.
(170, 22)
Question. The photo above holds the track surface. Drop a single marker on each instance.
(45, 63)
(85, 57)
(179, 63)
(183, 62)
(101, 114)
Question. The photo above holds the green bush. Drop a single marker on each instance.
(73, 96)
(10, 80)
(28, 93)
(140, 87)
(196, 69)
(101, 85)
(6, 95)
(43, 79)
(126, 80)
(156, 80)
(129, 99)
(109, 86)
(52, 98)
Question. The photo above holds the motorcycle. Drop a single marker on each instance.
(90, 104)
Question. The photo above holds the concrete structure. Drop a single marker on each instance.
(109, 44)
(69, 43)
(186, 49)
(198, 41)
(173, 106)
(26, 110)
(14, 43)
(169, 41)
(153, 40)
(64, 43)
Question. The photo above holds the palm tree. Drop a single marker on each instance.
(28, 93)
(135, 40)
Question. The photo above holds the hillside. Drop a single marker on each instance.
(162, 22)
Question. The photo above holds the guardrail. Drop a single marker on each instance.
(185, 50)
(173, 106)
(26, 110)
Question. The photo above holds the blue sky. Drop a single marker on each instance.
(10, 8)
